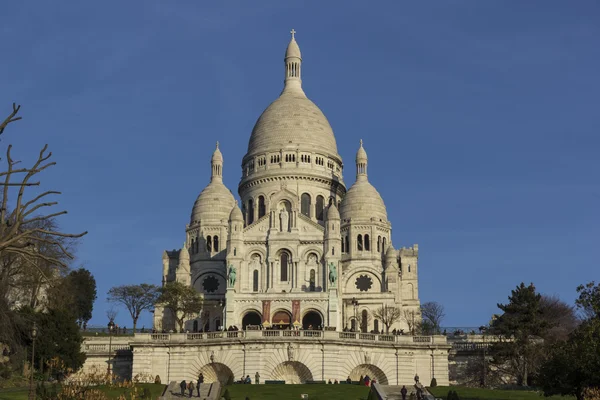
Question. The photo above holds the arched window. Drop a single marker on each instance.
(217, 324)
(209, 244)
(376, 326)
(367, 243)
(353, 325)
(343, 245)
(206, 321)
(216, 243)
(347, 245)
(262, 210)
(319, 207)
(379, 243)
(364, 321)
(284, 266)
(195, 328)
(333, 251)
(383, 245)
(255, 281)
(312, 280)
(331, 200)
(193, 246)
(359, 242)
(305, 204)
(250, 211)
(197, 248)
(235, 251)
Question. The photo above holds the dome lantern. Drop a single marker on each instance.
(293, 65)
(361, 162)
(216, 165)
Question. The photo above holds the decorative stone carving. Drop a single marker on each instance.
(284, 219)
(290, 351)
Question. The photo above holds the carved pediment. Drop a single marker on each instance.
(306, 225)
(259, 228)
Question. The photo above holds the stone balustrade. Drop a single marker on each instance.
(287, 335)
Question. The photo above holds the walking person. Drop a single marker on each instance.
(403, 392)
(191, 388)
(182, 386)
(257, 378)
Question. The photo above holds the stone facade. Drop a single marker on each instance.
(302, 251)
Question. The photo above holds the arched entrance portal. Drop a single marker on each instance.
(373, 371)
(312, 320)
(251, 318)
(281, 319)
(214, 372)
(292, 372)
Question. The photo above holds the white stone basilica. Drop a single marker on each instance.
(302, 250)
(303, 255)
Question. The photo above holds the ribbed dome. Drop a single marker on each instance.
(289, 121)
(214, 202)
(363, 202)
(390, 252)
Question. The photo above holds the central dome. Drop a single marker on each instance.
(291, 121)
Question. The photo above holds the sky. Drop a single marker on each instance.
(481, 120)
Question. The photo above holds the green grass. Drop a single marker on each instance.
(113, 393)
(465, 393)
(284, 392)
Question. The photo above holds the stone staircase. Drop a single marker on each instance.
(208, 391)
(392, 392)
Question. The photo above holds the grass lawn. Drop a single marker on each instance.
(21, 393)
(465, 393)
(284, 392)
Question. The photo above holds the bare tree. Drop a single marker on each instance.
(112, 313)
(560, 317)
(412, 319)
(387, 315)
(21, 229)
(363, 319)
(136, 298)
(433, 314)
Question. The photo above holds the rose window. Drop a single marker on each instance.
(210, 284)
(364, 283)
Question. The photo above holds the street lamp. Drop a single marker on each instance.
(355, 304)
(111, 326)
(31, 387)
(483, 330)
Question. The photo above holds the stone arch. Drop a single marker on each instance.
(411, 290)
(369, 369)
(204, 285)
(251, 317)
(281, 195)
(292, 372)
(281, 316)
(312, 249)
(349, 282)
(255, 250)
(312, 317)
(215, 371)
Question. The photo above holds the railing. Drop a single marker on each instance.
(470, 346)
(421, 339)
(90, 345)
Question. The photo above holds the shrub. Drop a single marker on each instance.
(226, 395)
(157, 380)
(433, 382)
(591, 393)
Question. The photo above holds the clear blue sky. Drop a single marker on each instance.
(481, 120)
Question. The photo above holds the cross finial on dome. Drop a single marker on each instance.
(217, 144)
(293, 32)
(360, 143)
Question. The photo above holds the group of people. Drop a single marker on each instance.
(190, 386)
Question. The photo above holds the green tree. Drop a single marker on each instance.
(183, 301)
(519, 330)
(589, 300)
(574, 365)
(82, 284)
(136, 298)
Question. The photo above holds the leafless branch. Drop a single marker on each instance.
(11, 118)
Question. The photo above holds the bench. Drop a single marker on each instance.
(315, 382)
(274, 382)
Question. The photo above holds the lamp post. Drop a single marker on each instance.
(483, 330)
(111, 326)
(355, 304)
(31, 387)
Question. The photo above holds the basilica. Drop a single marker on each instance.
(300, 250)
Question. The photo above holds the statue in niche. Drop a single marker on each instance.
(332, 273)
(312, 260)
(255, 263)
(231, 275)
(285, 220)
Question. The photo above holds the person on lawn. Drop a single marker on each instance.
(403, 392)
(182, 386)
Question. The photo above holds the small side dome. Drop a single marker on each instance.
(236, 213)
(213, 203)
(390, 253)
(363, 202)
(333, 213)
(184, 254)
